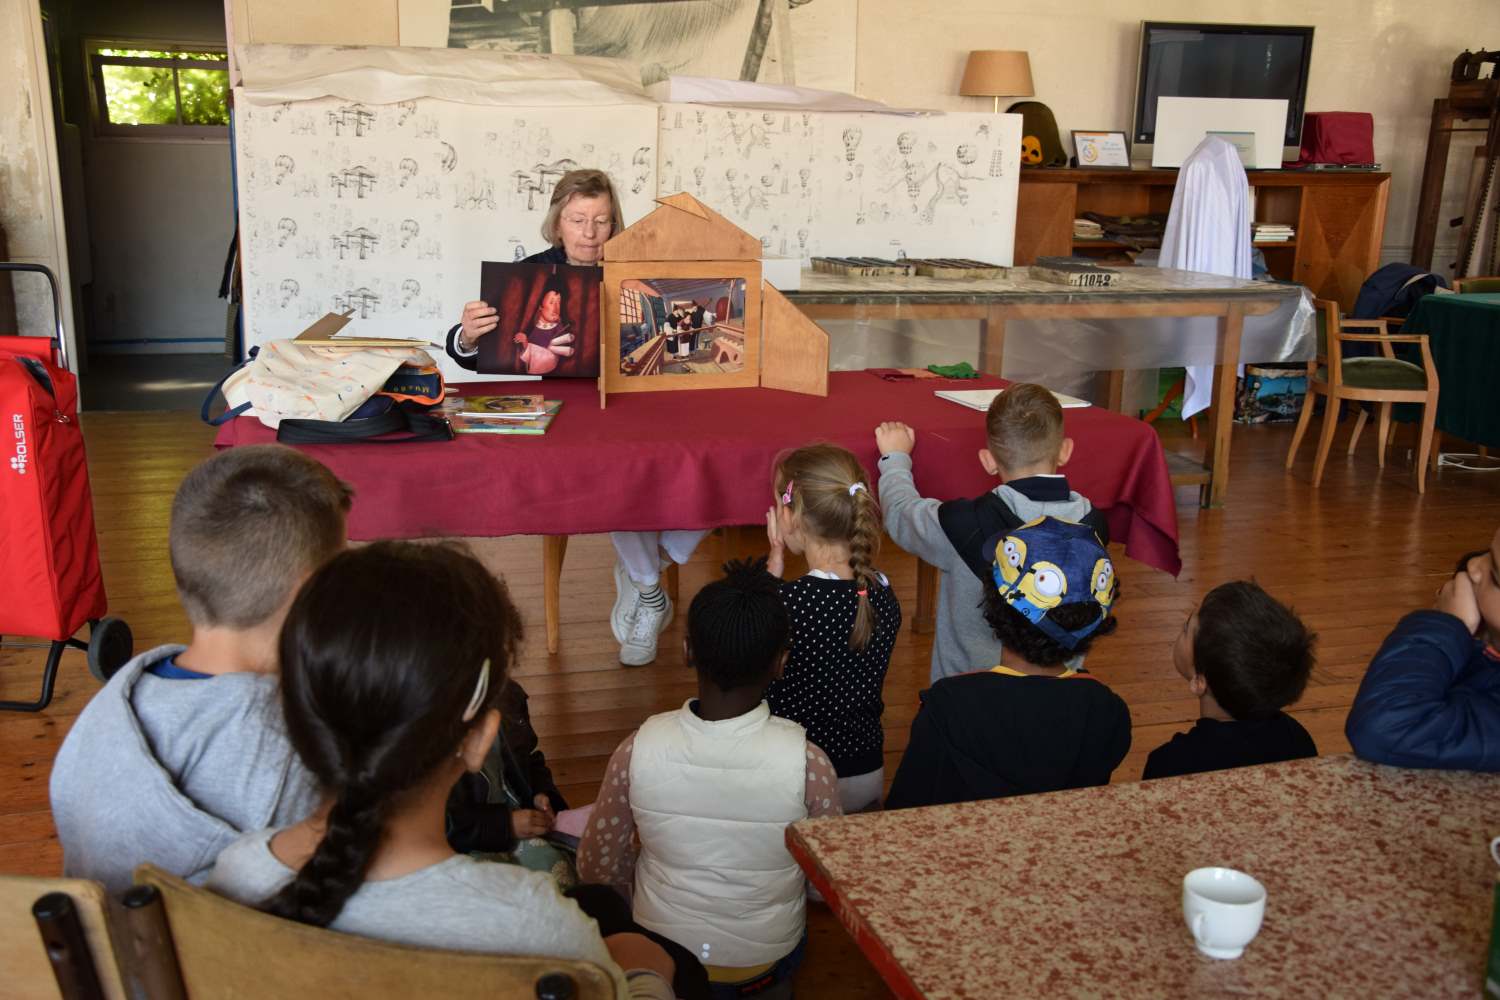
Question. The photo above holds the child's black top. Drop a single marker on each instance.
(1213, 745)
(991, 734)
(832, 690)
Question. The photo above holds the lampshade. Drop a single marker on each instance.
(993, 73)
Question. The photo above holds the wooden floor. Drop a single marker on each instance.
(1350, 557)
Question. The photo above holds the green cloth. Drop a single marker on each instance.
(961, 370)
(1380, 373)
(1464, 334)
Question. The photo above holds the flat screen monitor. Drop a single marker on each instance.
(1221, 60)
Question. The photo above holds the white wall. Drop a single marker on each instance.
(1388, 57)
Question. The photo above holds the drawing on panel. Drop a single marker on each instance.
(357, 179)
(362, 300)
(358, 241)
(540, 180)
(548, 320)
(682, 326)
(351, 119)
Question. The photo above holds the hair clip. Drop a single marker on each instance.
(856, 488)
(481, 688)
(863, 593)
(786, 494)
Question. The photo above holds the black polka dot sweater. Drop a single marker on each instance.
(832, 690)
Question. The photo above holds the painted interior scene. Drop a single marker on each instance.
(549, 320)
(682, 326)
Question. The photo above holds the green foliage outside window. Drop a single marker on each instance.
(145, 95)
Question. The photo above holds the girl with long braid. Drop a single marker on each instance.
(844, 614)
(393, 657)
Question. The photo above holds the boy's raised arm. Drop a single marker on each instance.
(910, 519)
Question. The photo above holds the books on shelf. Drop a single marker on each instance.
(1087, 229)
(980, 399)
(1272, 232)
(467, 419)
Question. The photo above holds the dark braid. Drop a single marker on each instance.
(832, 498)
(381, 654)
(738, 626)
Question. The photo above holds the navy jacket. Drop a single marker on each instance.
(1431, 698)
(551, 255)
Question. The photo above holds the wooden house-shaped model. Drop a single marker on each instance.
(684, 307)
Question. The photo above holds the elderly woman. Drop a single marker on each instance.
(583, 214)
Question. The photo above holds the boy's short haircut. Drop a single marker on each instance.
(1253, 651)
(247, 525)
(1024, 426)
(738, 626)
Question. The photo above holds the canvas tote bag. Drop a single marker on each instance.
(287, 380)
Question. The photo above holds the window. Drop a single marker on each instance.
(630, 306)
(149, 91)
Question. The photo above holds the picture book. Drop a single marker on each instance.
(466, 422)
(546, 320)
(500, 407)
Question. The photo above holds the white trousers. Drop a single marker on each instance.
(640, 551)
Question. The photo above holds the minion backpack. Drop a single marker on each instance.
(1040, 143)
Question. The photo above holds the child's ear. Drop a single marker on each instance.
(1198, 685)
(687, 653)
(478, 740)
(988, 461)
(1064, 452)
(779, 667)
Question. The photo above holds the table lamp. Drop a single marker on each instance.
(997, 74)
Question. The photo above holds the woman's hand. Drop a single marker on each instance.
(776, 561)
(478, 319)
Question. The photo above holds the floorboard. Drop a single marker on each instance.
(1351, 557)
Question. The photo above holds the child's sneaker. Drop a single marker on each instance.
(622, 616)
(639, 646)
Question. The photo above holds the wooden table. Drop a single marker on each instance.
(1139, 293)
(1379, 883)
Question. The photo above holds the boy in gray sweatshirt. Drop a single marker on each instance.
(1025, 445)
(184, 749)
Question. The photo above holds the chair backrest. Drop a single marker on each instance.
(1473, 285)
(27, 969)
(225, 949)
(1326, 318)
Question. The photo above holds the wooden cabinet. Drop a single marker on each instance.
(1339, 218)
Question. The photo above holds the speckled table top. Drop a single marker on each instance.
(1379, 883)
(1134, 284)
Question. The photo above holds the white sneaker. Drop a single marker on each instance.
(622, 616)
(639, 647)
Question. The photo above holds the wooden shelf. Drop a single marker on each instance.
(1113, 245)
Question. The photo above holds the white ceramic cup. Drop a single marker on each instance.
(1223, 908)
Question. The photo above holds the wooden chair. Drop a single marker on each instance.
(1477, 285)
(56, 941)
(1384, 380)
(193, 943)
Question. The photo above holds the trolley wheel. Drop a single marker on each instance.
(110, 646)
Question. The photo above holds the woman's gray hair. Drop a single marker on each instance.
(584, 183)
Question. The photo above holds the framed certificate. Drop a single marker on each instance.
(1101, 149)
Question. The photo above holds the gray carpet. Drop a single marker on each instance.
(150, 381)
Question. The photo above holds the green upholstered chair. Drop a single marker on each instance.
(1384, 380)
(1472, 285)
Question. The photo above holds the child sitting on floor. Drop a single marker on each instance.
(1245, 656)
(845, 615)
(183, 750)
(710, 789)
(1025, 445)
(1029, 724)
(392, 658)
(1431, 697)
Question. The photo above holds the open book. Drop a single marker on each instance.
(980, 399)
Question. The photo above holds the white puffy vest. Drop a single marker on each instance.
(712, 801)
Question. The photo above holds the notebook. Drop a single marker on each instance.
(980, 399)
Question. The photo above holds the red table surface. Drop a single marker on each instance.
(702, 459)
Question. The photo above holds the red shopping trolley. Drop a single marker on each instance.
(50, 583)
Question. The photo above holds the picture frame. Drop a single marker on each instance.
(1101, 150)
(666, 280)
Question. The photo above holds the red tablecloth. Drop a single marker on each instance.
(702, 459)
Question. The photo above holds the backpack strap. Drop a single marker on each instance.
(414, 422)
(968, 524)
(213, 394)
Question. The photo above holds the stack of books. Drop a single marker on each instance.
(1087, 229)
(1271, 232)
(500, 414)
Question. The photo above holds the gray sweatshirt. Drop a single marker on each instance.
(964, 641)
(172, 771)
(462, 904)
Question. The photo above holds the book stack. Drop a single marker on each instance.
(1087, 229)
(500, 414)
(1271, 232)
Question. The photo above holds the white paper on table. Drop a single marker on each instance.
(980, 399)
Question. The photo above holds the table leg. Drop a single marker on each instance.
(992, 340)
(1111, 388)
(927, 586)
(1217, 459)
(554, 547)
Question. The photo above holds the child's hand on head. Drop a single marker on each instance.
(893, 436)
(776, 561)
(530, 823)
(1456, 597)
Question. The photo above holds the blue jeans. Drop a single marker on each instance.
(776, 981)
